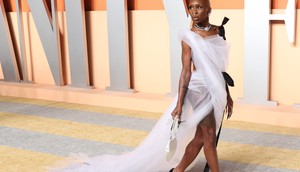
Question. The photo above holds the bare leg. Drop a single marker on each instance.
(208, 125)
(191, 151)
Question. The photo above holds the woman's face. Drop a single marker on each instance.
(199, 10)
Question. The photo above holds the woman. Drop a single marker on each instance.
(200, 103)
(206, 80)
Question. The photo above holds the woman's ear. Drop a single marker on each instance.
(209, 11)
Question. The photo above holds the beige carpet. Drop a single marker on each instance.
(37, 133)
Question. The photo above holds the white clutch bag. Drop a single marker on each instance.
(172, 143)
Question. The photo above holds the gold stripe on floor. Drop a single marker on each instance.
(87, 108)
(19, 160)
(93, 132)
(261, 128)
(259, 155)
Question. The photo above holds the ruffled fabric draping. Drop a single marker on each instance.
(206, 92)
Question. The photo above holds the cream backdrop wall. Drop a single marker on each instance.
(285, 62)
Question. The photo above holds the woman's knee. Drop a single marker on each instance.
(211, 140)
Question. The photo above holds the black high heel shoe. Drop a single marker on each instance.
(171, 170)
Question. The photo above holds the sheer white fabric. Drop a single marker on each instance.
(206, 93)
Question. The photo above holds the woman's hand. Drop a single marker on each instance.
(229, 107)
(177, 112)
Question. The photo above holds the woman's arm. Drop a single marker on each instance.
(184, 78)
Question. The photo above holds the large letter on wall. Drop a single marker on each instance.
(22, 41)
(77, 43)
(7, 54)
(118, 45)
(257, 48)
(49, 34)
(178, 20)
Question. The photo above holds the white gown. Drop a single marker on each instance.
(206, 91)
